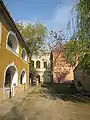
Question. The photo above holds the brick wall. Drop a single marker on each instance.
(61, 70)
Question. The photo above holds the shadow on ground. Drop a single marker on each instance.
(14, 114)
(62, 92)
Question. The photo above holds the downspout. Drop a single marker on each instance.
(0, 33)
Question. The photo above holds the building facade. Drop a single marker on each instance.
(61, 70)
(14, 55)
(42, 65)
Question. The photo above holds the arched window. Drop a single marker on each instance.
(23, 77)
(45, 64)
(24, 55)
(12, 42)
(38, 64)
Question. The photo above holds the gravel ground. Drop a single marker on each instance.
(39, 105)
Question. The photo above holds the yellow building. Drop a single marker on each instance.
(14, 55)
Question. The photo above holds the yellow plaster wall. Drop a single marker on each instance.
(7, 57)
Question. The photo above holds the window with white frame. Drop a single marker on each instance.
(45, 64)
(12, 42)
(24, 54)
(38, 64)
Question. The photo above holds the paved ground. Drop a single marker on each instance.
(42, 105)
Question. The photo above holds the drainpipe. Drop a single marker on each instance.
(0, 33)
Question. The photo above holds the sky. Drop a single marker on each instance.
(55, 14)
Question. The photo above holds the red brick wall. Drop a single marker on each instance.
(61, 70)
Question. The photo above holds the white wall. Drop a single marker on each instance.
(24, 78)
(15, 79)
(42, 71)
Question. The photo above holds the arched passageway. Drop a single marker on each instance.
(11, 77)
(38, 78)
(23, 77)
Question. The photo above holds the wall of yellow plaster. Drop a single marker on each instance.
(7, 57)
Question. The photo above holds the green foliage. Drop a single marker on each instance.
(78, 48)
(32, 71)
(83, 18)
(34, 36)
(56, 39)
(85, 63)
(75, 50)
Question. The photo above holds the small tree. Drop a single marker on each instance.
(79, 45)
(34, 36)
(56, 39)
(32, 72)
